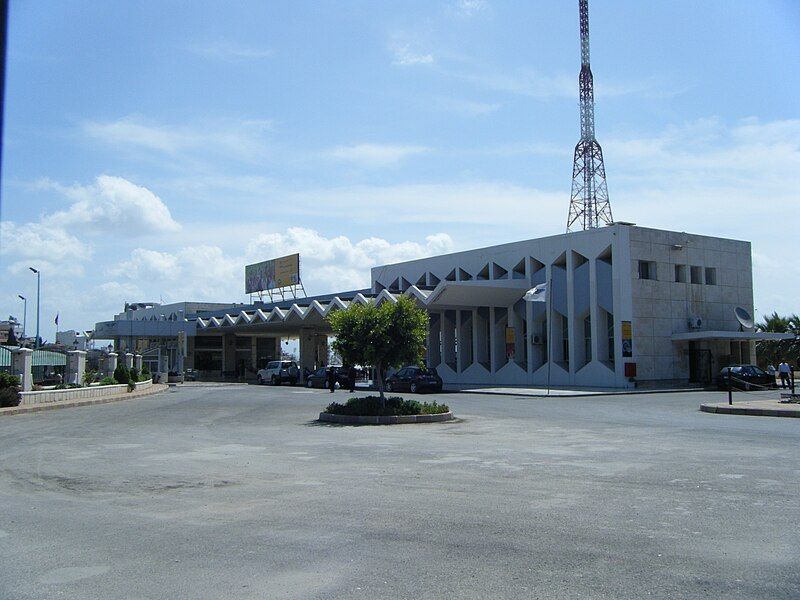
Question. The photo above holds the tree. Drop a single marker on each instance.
(121, 374)
(389, 335)
(773, 352)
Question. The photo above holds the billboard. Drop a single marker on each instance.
(272, 274)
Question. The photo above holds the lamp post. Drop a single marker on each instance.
(24, 312)
(38, 290)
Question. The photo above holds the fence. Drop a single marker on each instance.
(5, 359)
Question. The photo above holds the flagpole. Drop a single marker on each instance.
(549, 331)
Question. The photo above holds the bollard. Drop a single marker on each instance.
(730, 394)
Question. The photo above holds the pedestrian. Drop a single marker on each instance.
(351, 375)
(784, 370)
(331, 377)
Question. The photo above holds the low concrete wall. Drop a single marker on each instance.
(389, 420)
(95, 391)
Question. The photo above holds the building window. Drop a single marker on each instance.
(565, 339)
(680, 273)
(647, 269)
(696, 274)
(587, 339)
(711, 276)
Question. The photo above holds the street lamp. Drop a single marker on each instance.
(24, 312)
(38, 290)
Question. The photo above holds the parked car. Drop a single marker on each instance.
(319, 378)
(414, 379)
(279, 371)
(745, 377)
(190, 375)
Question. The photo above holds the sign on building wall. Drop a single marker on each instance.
(627, 339)
(272, 274)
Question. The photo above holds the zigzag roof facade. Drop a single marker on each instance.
(303, 310)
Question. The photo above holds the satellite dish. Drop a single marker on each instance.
(744, 318)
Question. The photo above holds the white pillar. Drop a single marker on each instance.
(111, 363)
(21, 365)
(129, 360)
(137, 363)
(76, 366)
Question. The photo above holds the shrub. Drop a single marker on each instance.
(9, 390)
(107, 381)
(370, 406)
(121, 374)
(146, 374)
(89, 377)
(66, 386)
(133, 375)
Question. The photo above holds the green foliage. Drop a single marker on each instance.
(9, 390)
(146, 374)
(121, 374)
(133, 375)
(371, 406)
(66, 386)
(773, 352)
(389, 335)
(107, 381)
(89, 377)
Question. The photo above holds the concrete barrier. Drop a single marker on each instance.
(95, 391)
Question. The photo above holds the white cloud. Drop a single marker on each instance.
(375, 155)
(242, 139)
(468, 8)
(49, 249)
(229, 51)
(405, 57)
(112, 204)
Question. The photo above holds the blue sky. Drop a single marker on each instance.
(152, 149)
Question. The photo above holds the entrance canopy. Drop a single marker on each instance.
(734, 336)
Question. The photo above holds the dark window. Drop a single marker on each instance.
(680, 273)
(696, 274)
(647, 269)
(711, 276)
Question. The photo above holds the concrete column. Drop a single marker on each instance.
(449, 340)
(572, 326)
(308, 350)
(321, 349)
(434, 340)
(481, 339)
(76, 366)
(594, 310)
(21, 366)
(137, 362)
(111, 363)
(129, 360)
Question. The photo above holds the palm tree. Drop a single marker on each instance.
(773, 352)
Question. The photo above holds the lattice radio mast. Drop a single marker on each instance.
(589, 199)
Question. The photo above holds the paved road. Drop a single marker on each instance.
(234, 492)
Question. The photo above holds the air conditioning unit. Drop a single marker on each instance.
(695, 322)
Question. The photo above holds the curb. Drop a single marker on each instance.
(587, 394)
(388, 420)
(31, 408)
(745, 410)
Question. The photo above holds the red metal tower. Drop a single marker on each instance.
(589, 203)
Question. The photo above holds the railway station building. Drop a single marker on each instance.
(627, 306)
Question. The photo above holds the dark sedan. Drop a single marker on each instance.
(319, 378)
(745, 377)
(414, 379)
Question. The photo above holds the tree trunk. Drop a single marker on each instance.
(379, 375)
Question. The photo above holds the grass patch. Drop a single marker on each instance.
(370, 406)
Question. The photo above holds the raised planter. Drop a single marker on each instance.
(94, 391)
(388, 420)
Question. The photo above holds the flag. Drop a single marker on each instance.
(56, 319)
(537, 294)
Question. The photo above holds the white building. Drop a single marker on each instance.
(629, 306)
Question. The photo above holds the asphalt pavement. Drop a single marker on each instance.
(237, 492)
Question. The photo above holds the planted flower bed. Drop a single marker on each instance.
(396, 410)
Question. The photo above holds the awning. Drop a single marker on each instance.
(478, 293)
(733, 336)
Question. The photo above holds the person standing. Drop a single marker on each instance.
(784, 371)
(351, 376)
(331, 377)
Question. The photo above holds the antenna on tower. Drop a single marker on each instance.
(589, 199)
